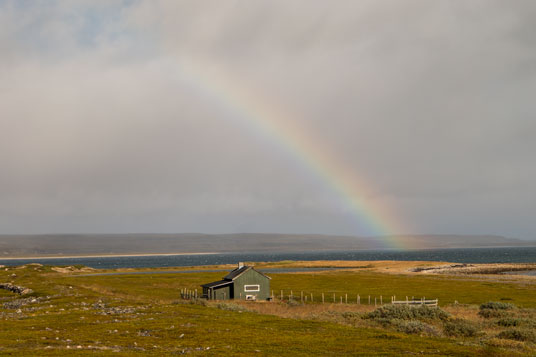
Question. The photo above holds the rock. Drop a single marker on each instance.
(16, 289)
(17, 304)
(115, 310)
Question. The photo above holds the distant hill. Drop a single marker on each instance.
(105, 244)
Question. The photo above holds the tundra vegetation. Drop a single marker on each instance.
(70, 311)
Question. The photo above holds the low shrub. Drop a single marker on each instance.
(492, 314)
(509, 322)
(460, 328)
(518, 334)
(495, 305)
(495, 309)
(405, 312)
(411, 327)
(351, 317)
(415, 327)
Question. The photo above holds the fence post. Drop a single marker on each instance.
(301, 294)
(322, 298)
(346, 298)
(358, 299)
(334, 298)
(281, 295)
(381, 300)
(369, 299)
(374, 301)
(311, 297)
(305, 298)
(341, 299)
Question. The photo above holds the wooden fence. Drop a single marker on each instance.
(413, 301)
(329, 298)
(189, 294)
(345, 298)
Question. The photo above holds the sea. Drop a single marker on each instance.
(454, 255)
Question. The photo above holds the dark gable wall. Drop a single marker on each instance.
(220, 293)
(251, 277)
(223, 293)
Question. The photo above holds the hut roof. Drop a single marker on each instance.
(236, 273)
(218, 283)
(239, 271)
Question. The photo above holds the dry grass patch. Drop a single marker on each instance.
(324, 312)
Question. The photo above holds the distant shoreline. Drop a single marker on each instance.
(104, 256)
(119, 255)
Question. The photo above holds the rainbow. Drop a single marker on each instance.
(270, 121)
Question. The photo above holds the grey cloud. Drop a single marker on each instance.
(430, 102)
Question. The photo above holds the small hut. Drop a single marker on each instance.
(243, 283)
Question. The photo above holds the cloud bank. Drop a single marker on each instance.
(431, 103)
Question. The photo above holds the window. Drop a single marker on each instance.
(252, 288)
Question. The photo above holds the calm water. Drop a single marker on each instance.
(521, 272)
(466, 255)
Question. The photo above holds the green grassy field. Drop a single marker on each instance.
(143, 314)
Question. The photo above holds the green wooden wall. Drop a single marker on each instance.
(251, 277)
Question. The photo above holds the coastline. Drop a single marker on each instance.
(105, 256)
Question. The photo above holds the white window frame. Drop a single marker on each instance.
(252, 288)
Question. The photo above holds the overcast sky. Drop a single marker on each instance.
(431, 103)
